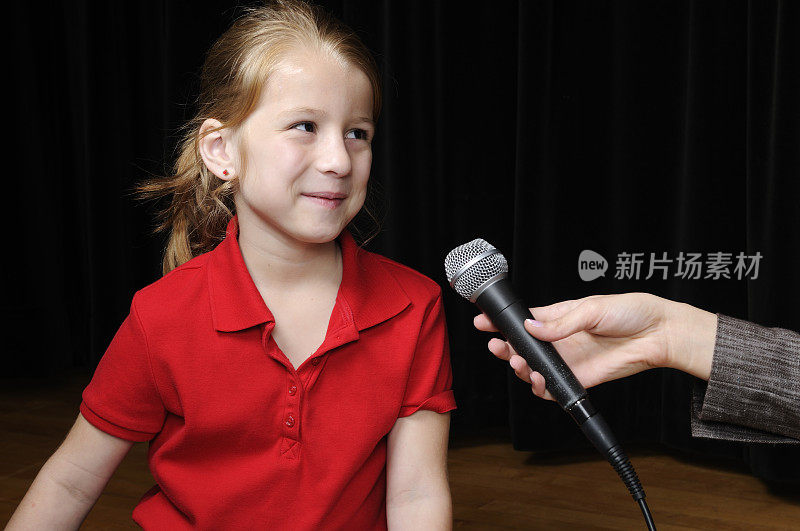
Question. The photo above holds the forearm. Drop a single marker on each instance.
(53, 501)
(414, 510)
(691, 336)
(70, 481)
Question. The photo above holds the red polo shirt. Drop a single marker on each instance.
(239, 438)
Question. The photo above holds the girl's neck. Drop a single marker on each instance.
(274, 260)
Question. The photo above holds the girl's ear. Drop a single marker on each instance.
(217, 149)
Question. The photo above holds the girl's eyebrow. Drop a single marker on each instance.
(302, 110)
(317, 112)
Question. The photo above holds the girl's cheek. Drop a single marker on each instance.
(364, 161)
(294, 154)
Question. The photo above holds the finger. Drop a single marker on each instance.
(520, 367)
(584, 316)
(539, 386)
(482, 322)
(500, 348)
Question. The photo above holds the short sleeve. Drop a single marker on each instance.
(430, 380)
(122, 398)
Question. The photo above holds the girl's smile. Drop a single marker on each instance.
(326, 199)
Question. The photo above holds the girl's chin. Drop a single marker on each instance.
(315, 226)
(323, 230)
(320, 236)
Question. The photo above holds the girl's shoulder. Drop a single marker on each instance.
(414, 283)
(176, 294)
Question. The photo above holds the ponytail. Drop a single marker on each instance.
(200, 207)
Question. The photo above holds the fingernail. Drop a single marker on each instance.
(532, 322)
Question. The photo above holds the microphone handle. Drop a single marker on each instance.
(499, 302)
(507, 312)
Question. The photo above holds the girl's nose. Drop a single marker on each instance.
(333, 157)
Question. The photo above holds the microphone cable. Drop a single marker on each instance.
(599, 433)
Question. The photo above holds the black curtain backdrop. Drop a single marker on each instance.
(545, 127)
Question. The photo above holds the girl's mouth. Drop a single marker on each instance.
(329, 200)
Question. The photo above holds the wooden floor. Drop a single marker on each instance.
(493, 486)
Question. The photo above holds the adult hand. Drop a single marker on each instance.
(605, 337)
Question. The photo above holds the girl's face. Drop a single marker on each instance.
(307, 147)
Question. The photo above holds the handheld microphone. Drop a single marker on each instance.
(478, 272)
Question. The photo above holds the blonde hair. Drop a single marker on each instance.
(234, 73)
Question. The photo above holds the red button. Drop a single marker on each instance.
(290, 421)
(315, 361)
(292, 389)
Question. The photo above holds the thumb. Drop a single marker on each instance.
(583, 316)
(554, 311)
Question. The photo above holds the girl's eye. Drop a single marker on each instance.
(308, 127)
(360, 134)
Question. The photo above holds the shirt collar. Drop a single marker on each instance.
(371, 294)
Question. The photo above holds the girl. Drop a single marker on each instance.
(284, 377)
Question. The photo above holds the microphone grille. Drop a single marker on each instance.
(470, 265)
